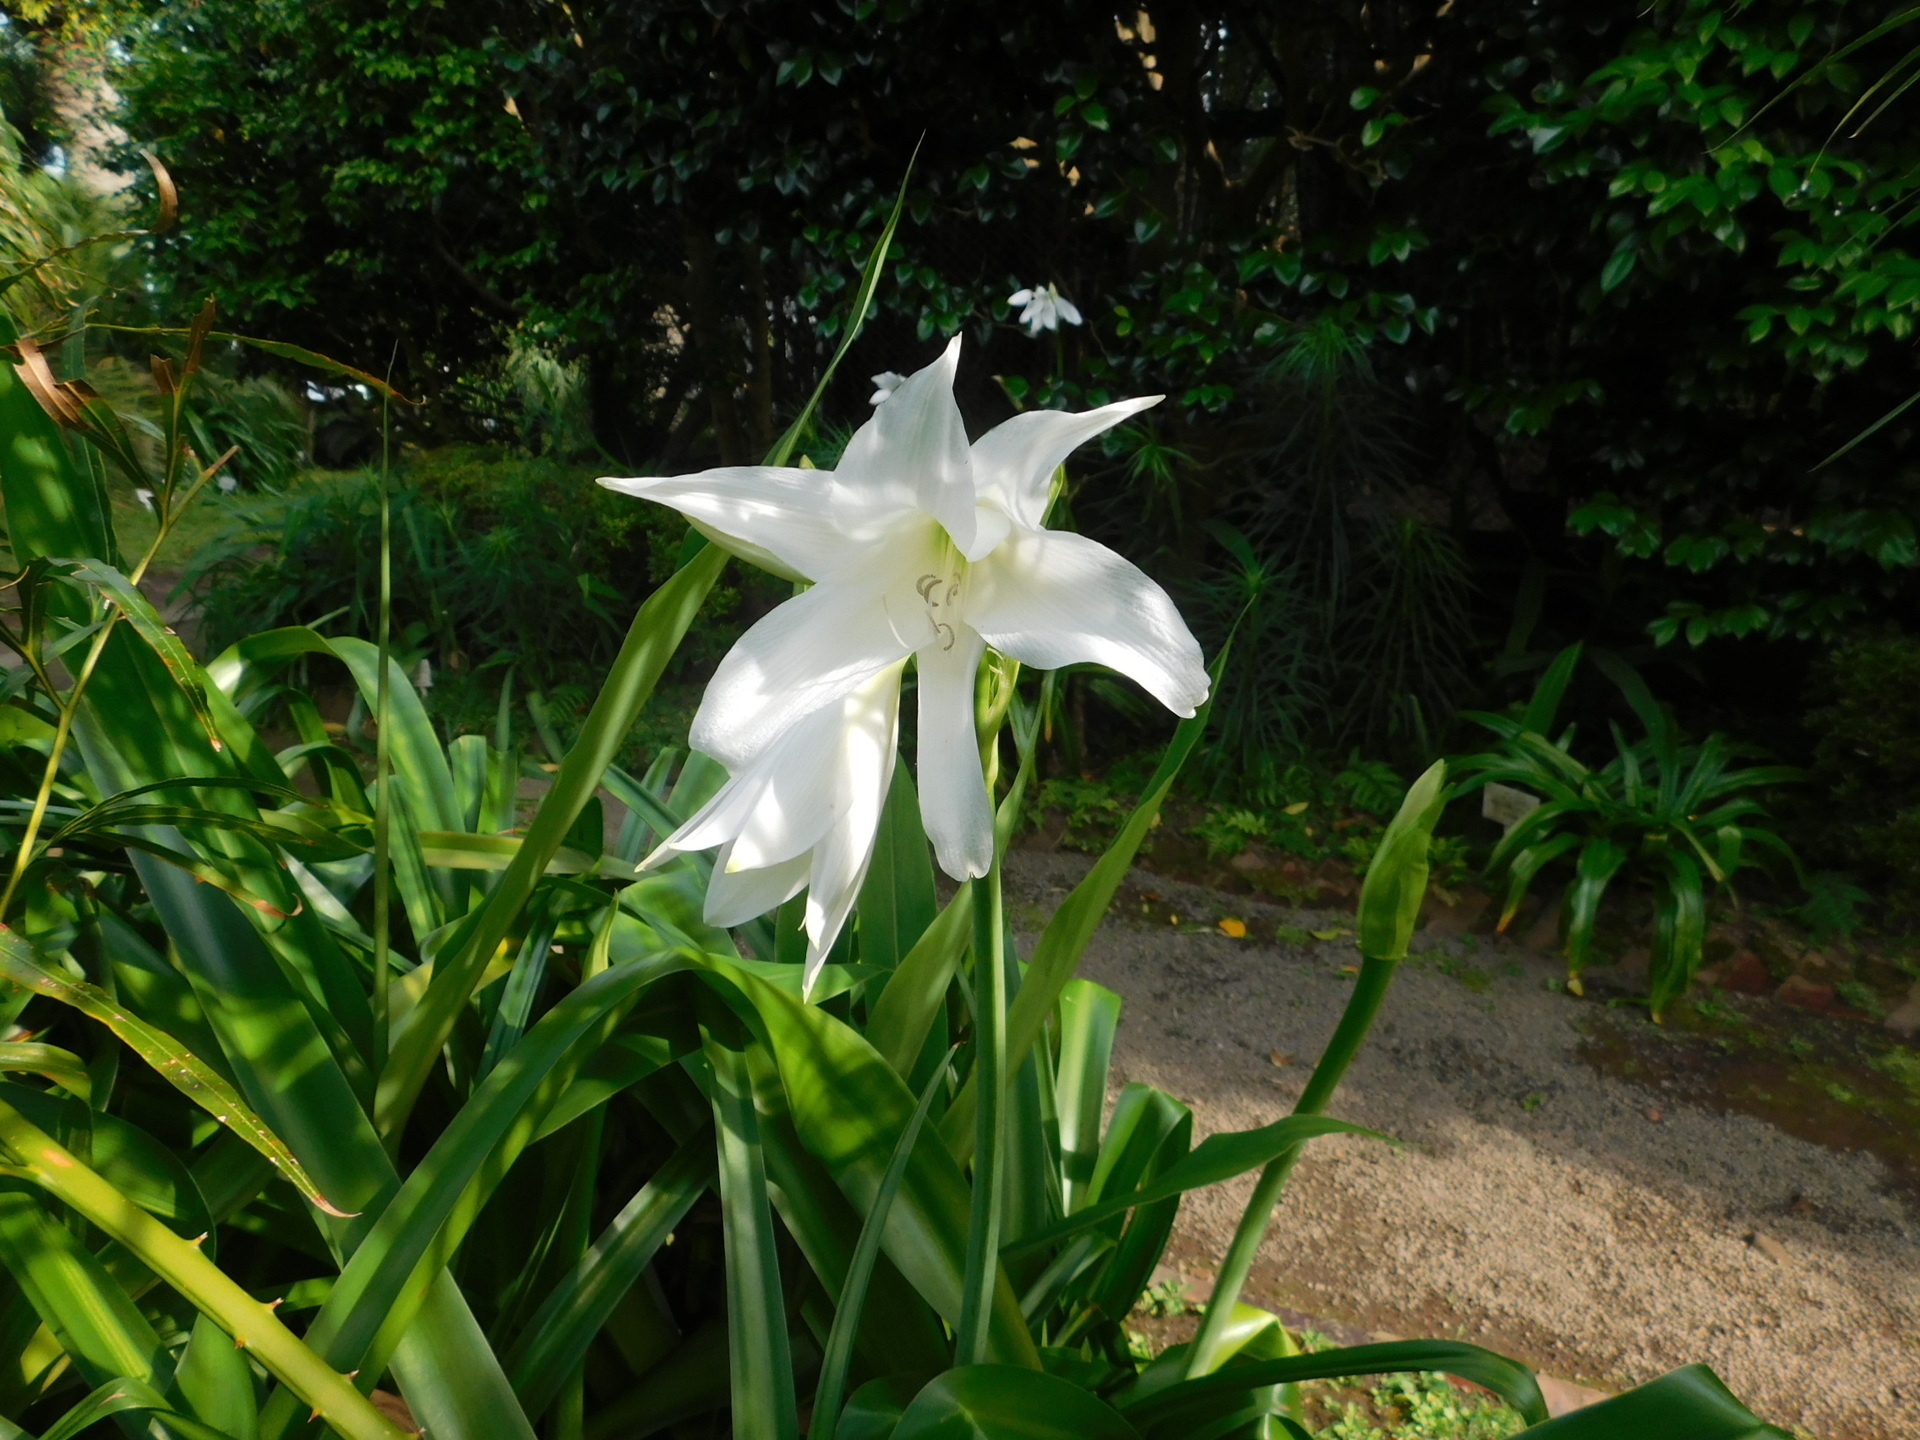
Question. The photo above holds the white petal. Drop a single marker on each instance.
(1013, 463)
(808, 652)
(841, 858)
(913, 452)
(827, 772)
(953, 789)
(735, 897)
(1020, 297)
(779, 519)
(1069, 312)
(1050, 598)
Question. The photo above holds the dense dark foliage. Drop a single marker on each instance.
(1629, 275)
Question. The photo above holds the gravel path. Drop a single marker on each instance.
(1597, 1229)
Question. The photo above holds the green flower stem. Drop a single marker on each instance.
(989, 1158)
(180, 1263)
(1368, 991)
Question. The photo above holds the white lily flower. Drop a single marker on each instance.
(884, 384)
(803, 813)
(919, 544)
(1045, 309)
(145, 497)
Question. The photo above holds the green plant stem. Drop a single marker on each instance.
(989, 1159)
(383, 773)
(180, 1263)
(1368, 991)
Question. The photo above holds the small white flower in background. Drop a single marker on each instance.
(802, 814)
(916, 544)
(1045, 309)
(145, 497)
(884, 384)
(228, 484)
(423, 674)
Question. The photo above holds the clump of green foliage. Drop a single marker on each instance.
(499, 560)
(1674, 816)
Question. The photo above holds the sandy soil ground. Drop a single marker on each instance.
(1597, 1229)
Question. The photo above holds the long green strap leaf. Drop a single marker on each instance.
(1685, 1404)
(832, 1386)
(1509, 1379)
(372, 1296)
(175, 1064)
(655, 634)
(759, 1354)
(1057, 955)
(556, 1339)
(180, 1263)
(1215, 1159)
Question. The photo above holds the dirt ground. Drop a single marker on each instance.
(1602, 1228)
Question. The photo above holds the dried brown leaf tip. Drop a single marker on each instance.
(169, 194)
(58, 399)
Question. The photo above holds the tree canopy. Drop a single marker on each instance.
(1581, 315)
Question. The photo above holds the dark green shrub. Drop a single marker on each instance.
(498, 561)
(1868, 755)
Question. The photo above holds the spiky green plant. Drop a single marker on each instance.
(1673, 816)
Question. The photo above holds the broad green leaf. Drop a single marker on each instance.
(1089, 1018)
(1685, 1404)
(1157, 1412)
(413, 1236)
(1396, 880)
(1000, 1402)
(1547, 695)
(52, 507)
(897, 900)
(95, 1321)
(177, 1065)
(876, 1407)
(849, 1107)
(1600, 860)
(216, 1382)
(902, 1016)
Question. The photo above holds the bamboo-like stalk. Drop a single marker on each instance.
(179, 1262)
